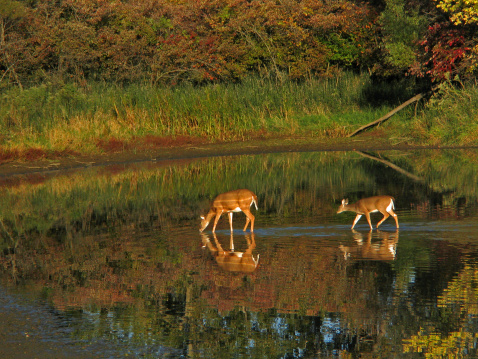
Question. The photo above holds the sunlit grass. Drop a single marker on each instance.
(66, 117)
(449, 118)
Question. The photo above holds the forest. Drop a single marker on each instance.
(170, 41)
(56, 56)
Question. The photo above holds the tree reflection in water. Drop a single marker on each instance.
(116, 251)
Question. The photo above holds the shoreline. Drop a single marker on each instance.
(366, 142)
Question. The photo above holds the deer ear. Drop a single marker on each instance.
(345, 201)
(202, 217)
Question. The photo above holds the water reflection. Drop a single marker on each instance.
(115, 251)
(232, 260)
(383, 249)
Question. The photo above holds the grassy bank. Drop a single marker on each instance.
(101, 117)
(449, 118)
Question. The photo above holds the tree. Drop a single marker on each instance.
(402, 27)
(10, 11)
(449, 47)
(461, 11)
(446, 53)
(464, 15)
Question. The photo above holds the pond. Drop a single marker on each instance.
(108, 262)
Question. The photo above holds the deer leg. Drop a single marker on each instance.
(394, 215)
(218, 245)
(356, 220)
(390, 209)
(231, 244)
(218, 215)
(218, 251)
(230, 219)
(250, 218)
(367, 215)
(385, 216)
(247, 223)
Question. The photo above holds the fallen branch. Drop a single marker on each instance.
(388, 115)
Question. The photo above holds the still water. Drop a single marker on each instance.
(109, 263)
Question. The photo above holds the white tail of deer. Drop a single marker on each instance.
(365, 206)
(233, 201)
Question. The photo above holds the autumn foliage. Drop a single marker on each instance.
(170, 41)
(445, 52)
(166, 41)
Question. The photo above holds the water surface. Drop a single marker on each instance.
(109, 262)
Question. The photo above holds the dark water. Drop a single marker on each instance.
(109, 263)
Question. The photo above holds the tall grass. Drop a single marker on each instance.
(68, 117)
(59, 117)
(450, 117)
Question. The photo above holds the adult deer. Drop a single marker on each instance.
(239, 200)
(365, 206)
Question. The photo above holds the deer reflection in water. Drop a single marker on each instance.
(385, 250)
(230, 260)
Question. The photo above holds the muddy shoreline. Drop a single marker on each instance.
(177, 153)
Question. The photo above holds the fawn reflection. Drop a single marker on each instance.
(383, 250)
(230, 260)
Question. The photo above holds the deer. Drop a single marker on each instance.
(365, 206)
(239, 200)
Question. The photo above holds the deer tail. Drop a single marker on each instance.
(254, 200)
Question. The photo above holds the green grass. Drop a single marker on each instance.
(450, 117)
(68, 117)
(65, 117)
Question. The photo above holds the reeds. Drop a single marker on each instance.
(452, 116)
(68, 117)
(65, 117)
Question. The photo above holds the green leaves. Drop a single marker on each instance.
(182, 41)
(402, 27)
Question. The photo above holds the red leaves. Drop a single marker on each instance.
(445, 52)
